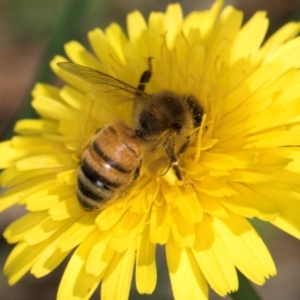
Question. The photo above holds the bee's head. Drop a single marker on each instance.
(149, 126)
(163, 113)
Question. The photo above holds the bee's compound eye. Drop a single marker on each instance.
(177, 126)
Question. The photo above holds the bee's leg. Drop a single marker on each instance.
(184, 145)
(178, 173)
(145, 76)
(176, 168)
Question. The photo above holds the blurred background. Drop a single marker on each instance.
(30, 35)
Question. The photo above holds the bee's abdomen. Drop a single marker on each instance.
(108, 167)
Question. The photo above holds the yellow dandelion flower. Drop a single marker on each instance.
(243, 163)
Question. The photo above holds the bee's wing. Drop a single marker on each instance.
(158, 157)
(97, 78)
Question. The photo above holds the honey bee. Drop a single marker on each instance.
(162, 127)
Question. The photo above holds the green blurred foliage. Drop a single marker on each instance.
(31, 21)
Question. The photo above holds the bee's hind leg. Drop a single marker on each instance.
(145, 78)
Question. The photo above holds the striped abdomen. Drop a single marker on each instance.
(108, 166)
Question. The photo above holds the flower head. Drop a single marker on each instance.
(243, 162)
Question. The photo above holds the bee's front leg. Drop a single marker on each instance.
(176, 168)
(175, 165)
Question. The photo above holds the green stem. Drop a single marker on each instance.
(67, 24)
(246, 291)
